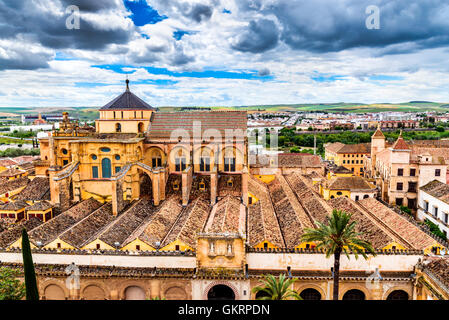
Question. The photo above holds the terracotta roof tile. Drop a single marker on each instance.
(128, 222)
(262, 220)
(40, 206)
(413, 235)
(37, 189)
(51, 229)
(165, 123)
(13, 206)
(9, 236)
(190, 223)
(400, 144)
(11, 185)
(88, 228)
(437, 189)
(349, 183)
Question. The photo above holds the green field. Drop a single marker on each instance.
(91, 113)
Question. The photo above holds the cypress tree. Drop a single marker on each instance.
(32, 292)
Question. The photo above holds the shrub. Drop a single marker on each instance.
(435, 229)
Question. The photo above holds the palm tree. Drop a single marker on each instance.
(276, 289)
(338, 236)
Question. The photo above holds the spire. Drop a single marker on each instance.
(400, 143)
(127, 83)
(378, 133)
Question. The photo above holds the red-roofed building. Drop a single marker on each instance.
(402, 168)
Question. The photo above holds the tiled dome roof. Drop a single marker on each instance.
(127, 101)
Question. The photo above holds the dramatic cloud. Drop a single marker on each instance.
(176, 50)
(261, 35)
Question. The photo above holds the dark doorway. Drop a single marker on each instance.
(146, 186)
(261, 294)
(310, 294)
(398, 295)
(354, 294)
(220, 292)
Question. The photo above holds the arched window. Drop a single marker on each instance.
(118, 127)
(156, 158)
(354, 294)
(140, 127)
(229, 160)
(180, 161)
(205, 161)
(310, 294)
(106, 171)
(398, 295)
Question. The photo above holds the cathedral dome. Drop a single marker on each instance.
(127, 101)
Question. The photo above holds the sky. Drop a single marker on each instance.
(222, 52)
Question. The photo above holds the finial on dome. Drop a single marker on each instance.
(127, 83)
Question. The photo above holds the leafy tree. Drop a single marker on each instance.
(435, 229)
(32, 292)
(10, 287)
(336, 237)
(405, 209)
(295, 150)
(440, 129)
(277, 288)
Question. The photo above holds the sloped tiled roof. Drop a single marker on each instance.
(7, 162)
(164, 123)
(291, 216)
(262, 220)
(190, 223)
(341, 169)
(334, 147)
(413, 235)
(356, 148)
(439, 267)
(13, 206)
(437, 189)
(127, 101)
(225, 216)
(313, 204)
(349, 183)
(51, 229)
(128, 222)
(37, 189)
(40, 206)
(155, 229)
(12, 185)
(400, 144)
(11, 172)
(378, 134)
(9, 236)
(371, 232)
(339, 147)
(87, 229)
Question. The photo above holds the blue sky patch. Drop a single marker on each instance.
(90, 84)
(227, 11)
(217, 74)
(327, 78)
(381, 77)
(142, 13)
(61, 56)
(180, 33)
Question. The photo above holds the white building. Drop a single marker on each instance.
(433, 204)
